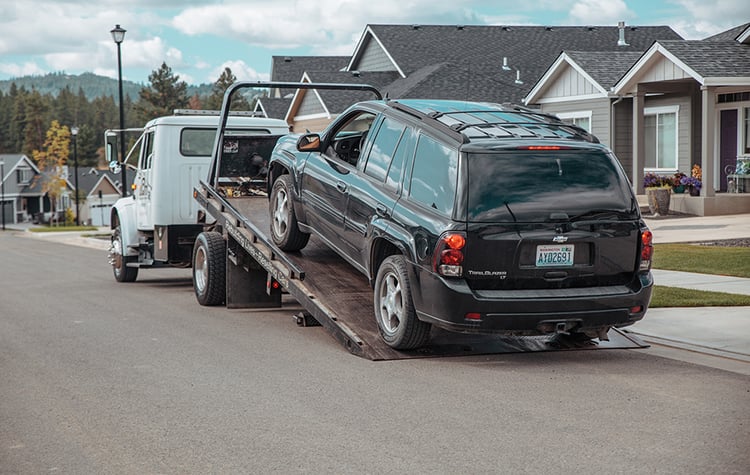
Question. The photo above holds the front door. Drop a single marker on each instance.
(727, 146)
(142, 183)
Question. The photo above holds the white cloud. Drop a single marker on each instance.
(241, 71)
(600, 12)
(700, 19)
(23, 69)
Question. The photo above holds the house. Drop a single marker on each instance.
(22, 195)
(292, 69)
(100, 189)
(671, 106)
(484, 63)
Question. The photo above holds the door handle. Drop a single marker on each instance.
(341, 186)
(381, 210)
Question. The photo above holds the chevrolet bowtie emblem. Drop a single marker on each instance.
(560, 239)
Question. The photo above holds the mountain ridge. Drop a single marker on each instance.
(92, 85)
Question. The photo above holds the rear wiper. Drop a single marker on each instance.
(507, 206)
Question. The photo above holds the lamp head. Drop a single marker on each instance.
(118, 34)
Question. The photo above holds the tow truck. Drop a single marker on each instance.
(235, 262)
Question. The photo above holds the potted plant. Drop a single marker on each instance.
(658, 191)
(693, 182)
(677, 185)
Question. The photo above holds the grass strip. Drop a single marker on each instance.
(732, 261)
(663, 296)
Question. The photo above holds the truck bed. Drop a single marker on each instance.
(340, 299)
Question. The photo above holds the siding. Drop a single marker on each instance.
(570, 83)
(374, 58)
(663, 70)
(310, 105)
(599, 114)
(313, 125)
(623, 135)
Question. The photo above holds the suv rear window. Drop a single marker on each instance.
(538, 186)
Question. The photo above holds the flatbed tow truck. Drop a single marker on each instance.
(236, 263)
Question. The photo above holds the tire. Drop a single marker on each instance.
(119, 262)
(284, 229)
(394, 308)
(209, 269)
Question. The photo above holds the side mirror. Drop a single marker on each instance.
(110, 140)
(309, 143)
(114, 167)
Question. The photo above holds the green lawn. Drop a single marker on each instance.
(676, 297)
(731, 261)
(734, 261)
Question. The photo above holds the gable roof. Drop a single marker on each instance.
(13, 160)
(272, 107)
(732, 34)
(710, 63)
(601, 69)
(411, 49)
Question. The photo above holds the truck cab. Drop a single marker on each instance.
(157, 222)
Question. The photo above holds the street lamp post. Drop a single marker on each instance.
(74, 133)
(2, 184)
(118, 34)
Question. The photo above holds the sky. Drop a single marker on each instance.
(199, 38)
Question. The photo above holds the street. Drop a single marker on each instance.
(100, 377)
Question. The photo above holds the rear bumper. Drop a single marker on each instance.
(446, 303)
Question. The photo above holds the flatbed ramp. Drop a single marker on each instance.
(339, 298)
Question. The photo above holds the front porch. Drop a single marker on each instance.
(716, 205)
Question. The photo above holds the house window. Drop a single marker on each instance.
(746, 131)
(24, 176)
(660, 136)
(580, 118)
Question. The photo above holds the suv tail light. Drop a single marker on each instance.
(449, 254)
(647, 249)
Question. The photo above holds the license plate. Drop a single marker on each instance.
(554, 256)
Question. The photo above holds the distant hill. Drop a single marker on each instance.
(93, 86)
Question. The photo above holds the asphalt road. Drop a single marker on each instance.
(98, 377)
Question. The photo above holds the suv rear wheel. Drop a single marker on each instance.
(394, 308)
(284, 229)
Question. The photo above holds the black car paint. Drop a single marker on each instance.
(355, 216)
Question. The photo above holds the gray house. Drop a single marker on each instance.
(22, 199)
(484, 63)
(674, 105)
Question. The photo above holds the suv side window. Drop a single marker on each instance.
(383, 147)
(403, 153)
(433, 178)
(347, 139)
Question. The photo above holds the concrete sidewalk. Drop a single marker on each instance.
(723, 332)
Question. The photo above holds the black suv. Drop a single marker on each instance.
(472, 217)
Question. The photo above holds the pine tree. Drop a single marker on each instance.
(221, 85)
(165, 94)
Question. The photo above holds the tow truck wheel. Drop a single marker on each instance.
(118, 260)
(284, 229)
(394, 307)
(209, 269)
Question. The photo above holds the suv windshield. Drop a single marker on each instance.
(538, 186)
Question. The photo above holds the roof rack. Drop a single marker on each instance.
(215, 112)
(490, 120)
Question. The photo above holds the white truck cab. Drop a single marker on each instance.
(156, 225)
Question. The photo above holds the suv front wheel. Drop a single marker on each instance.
(284, 230)
(394, 308)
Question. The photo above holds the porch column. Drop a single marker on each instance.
(639, 145)
(708, 140)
